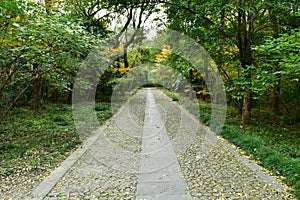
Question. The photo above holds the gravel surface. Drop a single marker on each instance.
(211, 167)
(108, 169)
(20, 183)
(217, 172)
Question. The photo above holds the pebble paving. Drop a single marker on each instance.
(217, 172)
(209, 167)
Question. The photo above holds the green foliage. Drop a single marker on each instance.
(228, 32)
(172, 95)
(261, 81)
(275, 148)
(103, 112)
(280, 57)
(34, 45)
(102, 107)
(34, 139)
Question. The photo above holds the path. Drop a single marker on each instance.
(160, 175)
(154, 149)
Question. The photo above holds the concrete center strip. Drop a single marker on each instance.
(160, 175)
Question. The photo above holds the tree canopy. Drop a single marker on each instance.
(255, 45)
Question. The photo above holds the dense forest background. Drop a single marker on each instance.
(255, 45)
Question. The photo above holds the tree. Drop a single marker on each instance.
(129, 18)
(38, 45)
(278, 59)
(229, 27)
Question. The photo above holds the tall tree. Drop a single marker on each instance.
(233, 25)
(36, 45)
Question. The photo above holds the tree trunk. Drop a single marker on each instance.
(126, 64)
(276, 88)
(246, 110)
(70, 93)
(55, 95)
(245, 40)
(36, 90)
(190, 83)
(123, 85)
(276, 99)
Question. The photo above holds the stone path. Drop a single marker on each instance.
(154, 149)
(160, 175)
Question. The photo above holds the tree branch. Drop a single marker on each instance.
(210, 21)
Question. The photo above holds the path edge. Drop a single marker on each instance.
(213, 138)
(44, 187)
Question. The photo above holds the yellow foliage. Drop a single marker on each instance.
(114, 51)
(49, 5)
(187, 90)
(165, 52)
(120, 64)
(121, 70)
(117, 51)
(203, 92)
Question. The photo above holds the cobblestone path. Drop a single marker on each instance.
(154, 149)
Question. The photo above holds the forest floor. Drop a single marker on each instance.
(33, 144)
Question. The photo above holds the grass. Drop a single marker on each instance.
(172, 95)
(275, 147)
(33, 140)
(271, 140)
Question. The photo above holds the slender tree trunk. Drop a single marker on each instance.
(246, 106)
(36, 90)
(246, 110)
(245, 37)
(123, 85)
(126, 64)
(14, 102)
(55, 95)
(276, 88)
(190, 83)
(276, 98)
(70, 93)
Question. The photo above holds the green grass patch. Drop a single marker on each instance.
(32, 140)
(275, 148)
(171, 94)
(274, 145)
(103, 112)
